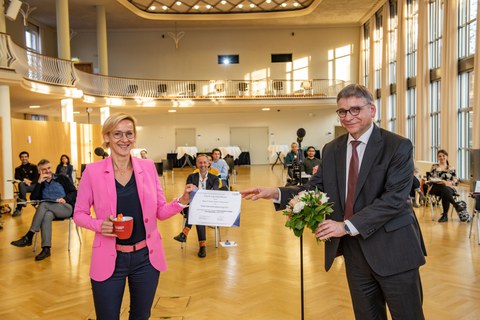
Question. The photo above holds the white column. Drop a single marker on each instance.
(102, 40)
(63, 30)
(67, 110)
(104, 114)
(6, 141)
(476, 85)
(422, 119)
(385, 85)
(401, 77)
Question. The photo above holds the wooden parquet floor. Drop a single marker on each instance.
(258, 279)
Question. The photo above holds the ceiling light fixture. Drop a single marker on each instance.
(165, 8)
(240, 6)
(268, 1)
(265, 109)
(34, 107)
(152, 8)
(172, 110)
(252, 5)
(208, 6)
(284, 4)
(223, 2)
(296, 4)
(178, 3)
(196, 7)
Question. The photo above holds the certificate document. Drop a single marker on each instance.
(215, 208)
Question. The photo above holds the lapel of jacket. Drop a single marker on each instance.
(109, 179)
(138, 172)
(374, 146)
(340, 160)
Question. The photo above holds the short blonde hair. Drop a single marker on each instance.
(113, 121)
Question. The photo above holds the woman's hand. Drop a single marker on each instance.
(185, 198)
(107, 227)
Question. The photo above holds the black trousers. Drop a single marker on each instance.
(371, 292)
(201, 230)
(446, 195)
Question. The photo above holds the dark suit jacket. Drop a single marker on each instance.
(212, 180)
(390, 236)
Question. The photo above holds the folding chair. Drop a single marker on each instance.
(70, 222)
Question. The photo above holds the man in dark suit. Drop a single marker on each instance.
(372, 224)
(204, 181)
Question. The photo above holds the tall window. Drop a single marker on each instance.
(392, 65)
(435, 144)
(467, 27)
(366, 51)
(435, 22)
(378, 50)
(32, 37)
(411, 66)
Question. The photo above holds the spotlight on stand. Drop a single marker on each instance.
(300, 134)
(297, 161)
(100, 152)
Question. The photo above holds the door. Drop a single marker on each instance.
(253, 140)
(185, 137)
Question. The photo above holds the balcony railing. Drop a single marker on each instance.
(39, 68)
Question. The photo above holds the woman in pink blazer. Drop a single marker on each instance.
(127, 185)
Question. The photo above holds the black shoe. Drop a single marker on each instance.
(202, 252)
(17, 212)
(443, 218)
(44, 254)
(181, 237)
(22, 242)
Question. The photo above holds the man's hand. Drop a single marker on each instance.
(61, 200)
(330, 229)
(27, 181)
(260, 193)
(44, 176)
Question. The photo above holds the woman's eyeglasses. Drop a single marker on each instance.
(354, 111)
(119, 134)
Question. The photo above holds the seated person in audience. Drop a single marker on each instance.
(213, 171)
(445, 186)
(415, 188)
(293, 154)
(144, 154)
(64, 168)
(59, 194)
(27, 174)
(220, 164)
(310, 161)
(204, 181)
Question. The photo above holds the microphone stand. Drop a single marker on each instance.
(302, 290)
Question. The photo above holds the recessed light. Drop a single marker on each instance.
(223, 2)
(178, 3)
(240, 6)
(172, 110)
(284, 4)
(208, 6)
(78, 112)
(34, 107)
(165, 8)
(196, 7)
(296, 4)
(252, 5)
(265, 109)
(268, 1)
(152, 8)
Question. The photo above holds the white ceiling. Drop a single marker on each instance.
(83, 17)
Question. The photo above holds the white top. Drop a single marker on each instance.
(233, 151)
(282, 148)
(191, 151)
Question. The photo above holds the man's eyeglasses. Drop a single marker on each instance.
(354, 111)
(119, 134)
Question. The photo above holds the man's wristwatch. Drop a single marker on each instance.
(347, 229)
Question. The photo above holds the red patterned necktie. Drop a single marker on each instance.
(352, 180)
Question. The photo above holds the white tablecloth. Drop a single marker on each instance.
(191, 151)
(233, 151)
(282, 148)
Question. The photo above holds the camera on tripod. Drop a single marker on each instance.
(296, 168)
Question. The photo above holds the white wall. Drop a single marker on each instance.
(152, 53)
(157, 133)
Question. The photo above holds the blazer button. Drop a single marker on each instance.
(151, 251)
(146, 220)
(148, 236)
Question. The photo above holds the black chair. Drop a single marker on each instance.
(132, 88)
(159, 167)
(70, 223)
(242, 88)
(277, 87)
(168, 166)
(162, 89)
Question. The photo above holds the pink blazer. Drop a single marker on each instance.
(97, 188)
